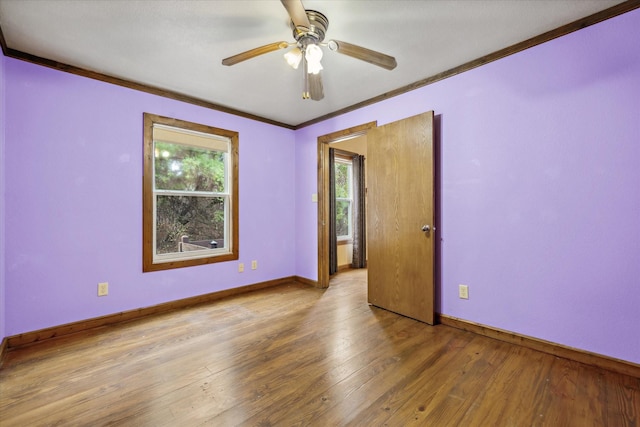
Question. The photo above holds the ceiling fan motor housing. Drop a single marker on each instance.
(315, 33)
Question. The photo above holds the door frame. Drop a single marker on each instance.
(323, 194)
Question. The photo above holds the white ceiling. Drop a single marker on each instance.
(178, 45)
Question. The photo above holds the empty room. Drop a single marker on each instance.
(320, 212)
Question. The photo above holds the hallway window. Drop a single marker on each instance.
(344, 198)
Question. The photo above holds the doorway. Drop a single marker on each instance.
(324, 239)
(401, 213)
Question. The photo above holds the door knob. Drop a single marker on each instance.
(426, 228)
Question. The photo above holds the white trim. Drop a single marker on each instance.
(191, 138)
(209, 142)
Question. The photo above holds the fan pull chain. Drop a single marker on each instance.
(305, 88)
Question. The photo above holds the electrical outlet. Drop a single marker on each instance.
(314, 198)
(103, 289)
(240, 267)
(254, 265)
(463, 291)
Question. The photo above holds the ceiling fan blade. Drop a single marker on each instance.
(316, 91)
(364, 54)
(297, 13)
(232, 60)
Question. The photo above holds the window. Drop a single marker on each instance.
(190, 194)
(344, 198)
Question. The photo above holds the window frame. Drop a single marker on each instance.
(345, 239)
(149, 263)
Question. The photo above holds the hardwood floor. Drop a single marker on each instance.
(292, 355)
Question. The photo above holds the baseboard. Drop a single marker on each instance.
(3, 350)
(306, 281)
(110, 319)
(582, 356)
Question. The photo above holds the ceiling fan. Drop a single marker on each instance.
(309, 28)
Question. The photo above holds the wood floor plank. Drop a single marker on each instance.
(293, 355)
(554, 407)
(439, 394)
(311, 397)
(510, 394)
(350, 396)
(623, 400)
(306, 367)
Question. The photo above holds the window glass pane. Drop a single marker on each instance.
(180, 167)
(342, 180)
(343, 217)
(185, 223)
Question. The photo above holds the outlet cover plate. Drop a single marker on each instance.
(103, 289)
(463, 291)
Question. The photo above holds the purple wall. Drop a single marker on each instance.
(74, 200)
(2, 186)
(540, 188)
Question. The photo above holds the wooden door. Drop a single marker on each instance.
(400, 203)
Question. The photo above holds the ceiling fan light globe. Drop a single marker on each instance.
(314, 67)
(313, 53)
(293, 57)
